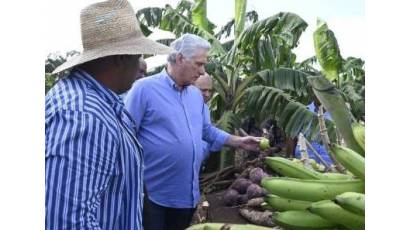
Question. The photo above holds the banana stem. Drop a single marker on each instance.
(325, 139)
(304, 156)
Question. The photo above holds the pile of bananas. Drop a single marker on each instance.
(307, 199)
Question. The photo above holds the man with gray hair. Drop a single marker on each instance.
(171, 123)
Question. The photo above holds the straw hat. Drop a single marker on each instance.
(111, 28)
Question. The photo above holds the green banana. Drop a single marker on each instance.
(352, 201)
(359, 134)
(290, 168)
(310, 190)
(218, 226)
(349, 159)
(332, 212)
(284, 204)
(337, 176)
(301, 220)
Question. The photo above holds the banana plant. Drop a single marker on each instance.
(268, 43)
(226, 30)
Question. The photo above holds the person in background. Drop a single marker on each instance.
(204, 83)
(142, 69)
(93, 160)
(171, 122)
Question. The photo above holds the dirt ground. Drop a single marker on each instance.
(218, 212)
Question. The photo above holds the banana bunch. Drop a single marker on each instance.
(306, 199)
(351, 201)
(359, 134)
(310, 190)
(351, 160)
(332, 212)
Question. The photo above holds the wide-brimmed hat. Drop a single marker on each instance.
(111, 28)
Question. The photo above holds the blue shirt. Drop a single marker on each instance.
(171, 125)
(93, 160)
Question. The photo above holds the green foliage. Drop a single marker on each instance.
(198, 15)
(51, 79)
(292, 115)
(51, 63)
(240, 10)
(267, 43)
(226, 30)
(332, 100)
(327, 51)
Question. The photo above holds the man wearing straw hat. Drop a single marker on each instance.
(94, 164)
(171, 122)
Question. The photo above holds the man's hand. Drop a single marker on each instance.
(249, 143)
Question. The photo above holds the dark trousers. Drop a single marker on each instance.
(157, 217)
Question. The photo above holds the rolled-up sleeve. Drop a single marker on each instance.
(80, 160)
(211, 134)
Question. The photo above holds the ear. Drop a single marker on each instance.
(179, 59)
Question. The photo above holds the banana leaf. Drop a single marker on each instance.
(294, 117)
(333, 102)
(199, 14)
(327, 51)
(283, 29)
(240, 10)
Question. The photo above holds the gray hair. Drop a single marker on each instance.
(187, 45)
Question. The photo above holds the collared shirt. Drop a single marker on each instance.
(171, 125)
(93, 159)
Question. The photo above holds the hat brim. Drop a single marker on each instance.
(135, 46)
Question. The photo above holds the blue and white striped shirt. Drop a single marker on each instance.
(93, 160)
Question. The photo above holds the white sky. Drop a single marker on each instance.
(344, 17)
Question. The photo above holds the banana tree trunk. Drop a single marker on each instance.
(227, 158)
(199, 14)
(240, 12)
(326, 142)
